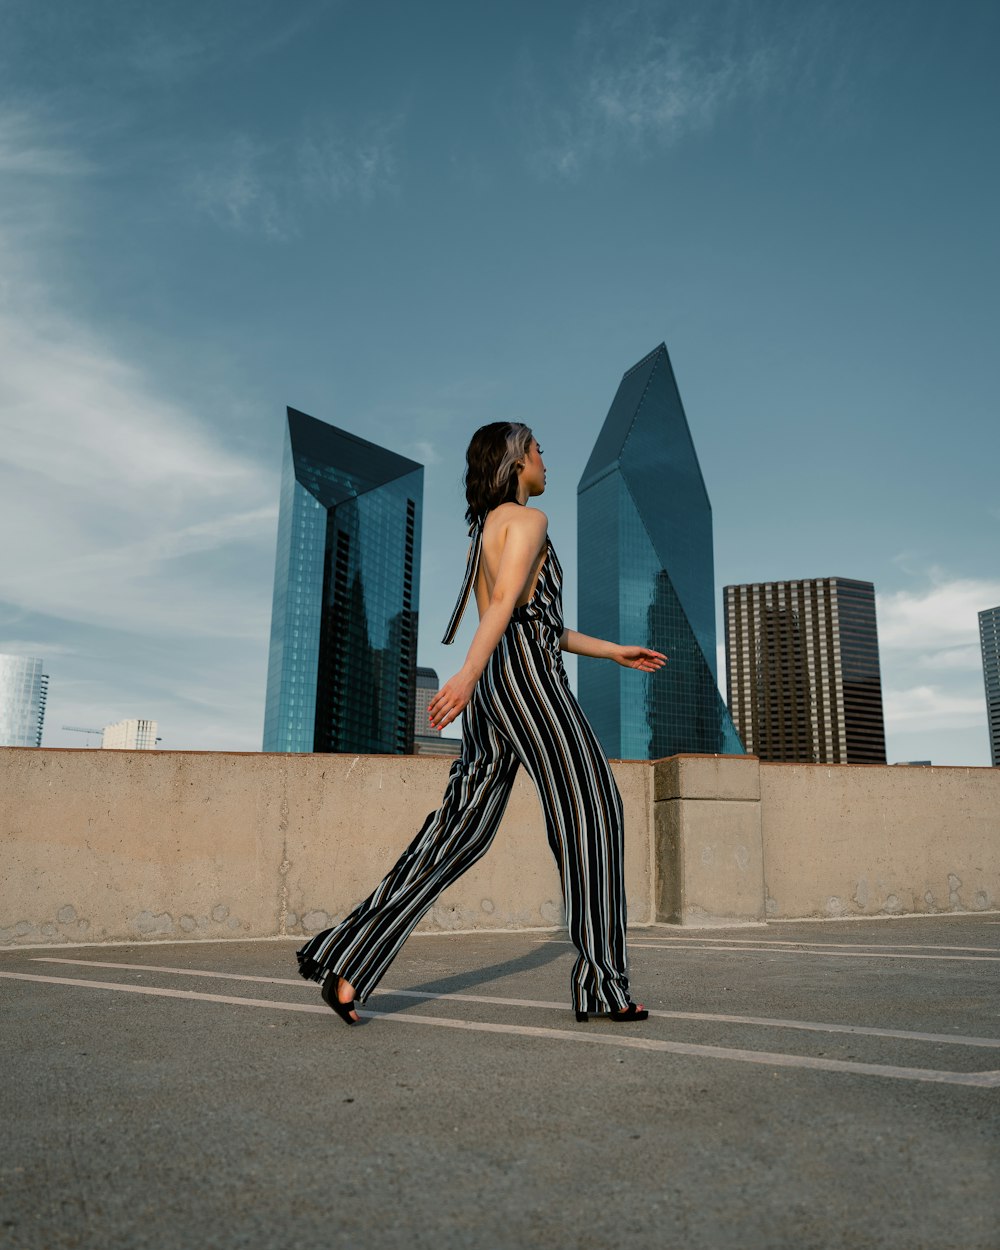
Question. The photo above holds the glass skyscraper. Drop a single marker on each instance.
(989, 640)
(342, 663)
(23, 691)
(646, 576)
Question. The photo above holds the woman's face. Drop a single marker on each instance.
(533, 474)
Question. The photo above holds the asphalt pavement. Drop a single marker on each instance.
(807, 1085)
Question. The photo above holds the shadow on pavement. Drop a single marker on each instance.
(470, 978)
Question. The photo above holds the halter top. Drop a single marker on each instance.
(545, 604)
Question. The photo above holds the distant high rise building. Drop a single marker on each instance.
(440, 745)
(426, 688)
(989, 640)
(23, 691)
(646, 576)
(130, 735)
(804, 682)
(341, 668)
(428, 741)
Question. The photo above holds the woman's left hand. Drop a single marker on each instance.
(641, 658)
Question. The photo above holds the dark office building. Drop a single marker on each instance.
(989, 640)
(802, 662)
(341, 670)
(646, 576)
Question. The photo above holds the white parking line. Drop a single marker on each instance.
(813, 1026)
(877, 953)
(850, 946)
(979, 1080)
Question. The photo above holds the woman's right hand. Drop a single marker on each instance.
(451, 700)
(644, 659)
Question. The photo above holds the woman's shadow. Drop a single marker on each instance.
(550, 949)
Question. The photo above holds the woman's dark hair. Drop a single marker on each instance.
(491, 466)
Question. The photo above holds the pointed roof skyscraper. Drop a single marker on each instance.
(647, 574)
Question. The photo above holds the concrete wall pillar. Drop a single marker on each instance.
(708, 848)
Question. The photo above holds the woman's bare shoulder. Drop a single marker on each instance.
(533, 520)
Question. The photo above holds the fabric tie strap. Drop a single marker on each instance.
(471, 573)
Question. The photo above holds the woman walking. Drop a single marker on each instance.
(519, 710)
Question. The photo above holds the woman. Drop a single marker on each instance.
(519, 709)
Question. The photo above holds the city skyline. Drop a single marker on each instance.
(425, 229)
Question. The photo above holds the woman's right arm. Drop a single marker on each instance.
(526, 532)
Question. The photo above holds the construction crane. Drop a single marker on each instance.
(75, 729)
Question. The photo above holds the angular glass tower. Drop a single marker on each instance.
(23, 691)
(646, 576)
(342, 665)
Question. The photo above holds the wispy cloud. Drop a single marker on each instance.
(167, 47)
(259, 188)
(240, 188)
(937, 617)
(966, 659)
(333, 167)
(932, 707)
(424, 451)
(639, 77)
(111, 487)
(33, 646)
(933, 629)
(130, 513)
(27, 150)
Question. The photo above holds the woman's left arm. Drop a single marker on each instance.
(642, 658)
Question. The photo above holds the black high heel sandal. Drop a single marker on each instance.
(330, 998)
(630, 1014)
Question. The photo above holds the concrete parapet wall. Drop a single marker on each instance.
(868, 840)
(133, 845)
(738, 841)
(707, 833)
(130, 845)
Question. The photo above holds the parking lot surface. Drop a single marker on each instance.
(801, 1085)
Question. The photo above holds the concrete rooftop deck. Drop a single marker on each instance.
(804, 1085)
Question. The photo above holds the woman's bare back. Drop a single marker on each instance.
(494, 538)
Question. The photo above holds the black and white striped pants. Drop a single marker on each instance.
(522, 712)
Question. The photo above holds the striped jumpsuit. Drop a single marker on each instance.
(522, 712)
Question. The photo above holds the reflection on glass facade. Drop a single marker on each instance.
(342, 663)
(646, 576)
(989, 641)
(803, 670)
(23, 691)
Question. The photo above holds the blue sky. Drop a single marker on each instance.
(410, 219)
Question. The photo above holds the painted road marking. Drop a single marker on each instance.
(813, 1026)
(887, 946)
(979, 1080)
(876, 953)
